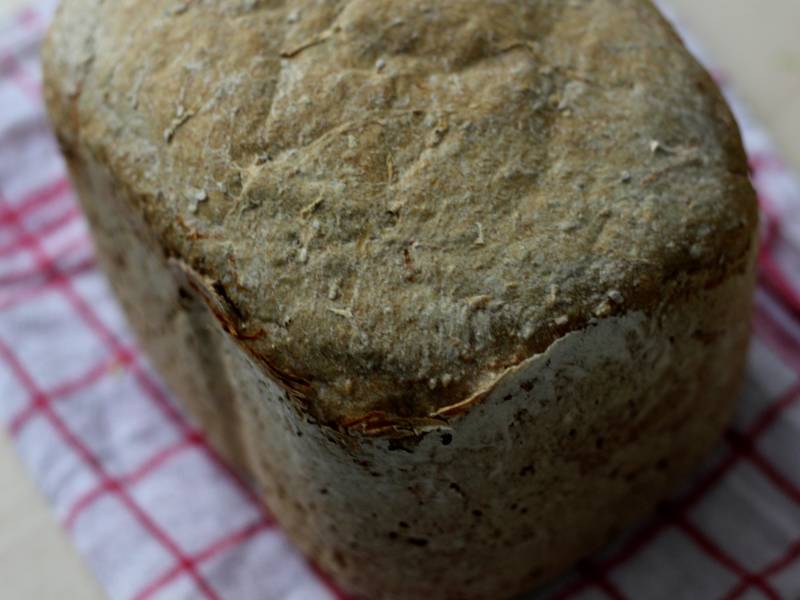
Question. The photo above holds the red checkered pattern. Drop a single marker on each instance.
(155, 512)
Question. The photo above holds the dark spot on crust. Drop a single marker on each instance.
(338, 558)
(447, 438)
(528, 470)
(222, 294)
(536, 572)
(396, 445)
(632, 476)
(393, 535)
(705, 337)
(526, 385)
(65, 147)
(477, 513)
(409, 263)
(421, 542)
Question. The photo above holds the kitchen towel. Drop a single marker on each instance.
(156, 514)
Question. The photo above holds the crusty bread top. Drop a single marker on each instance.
(389, 202)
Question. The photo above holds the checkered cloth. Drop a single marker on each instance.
(156, 514)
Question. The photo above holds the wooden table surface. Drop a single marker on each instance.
(757, 45)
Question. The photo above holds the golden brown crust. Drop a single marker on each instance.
(395, 201)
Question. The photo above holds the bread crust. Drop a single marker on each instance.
(399, 201)
(465, 287)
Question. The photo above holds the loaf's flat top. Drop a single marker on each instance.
(390, 202)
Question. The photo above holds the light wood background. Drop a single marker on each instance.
(755, 42)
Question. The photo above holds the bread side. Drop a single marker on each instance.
(392, 203)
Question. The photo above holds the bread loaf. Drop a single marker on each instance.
(463, 285)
